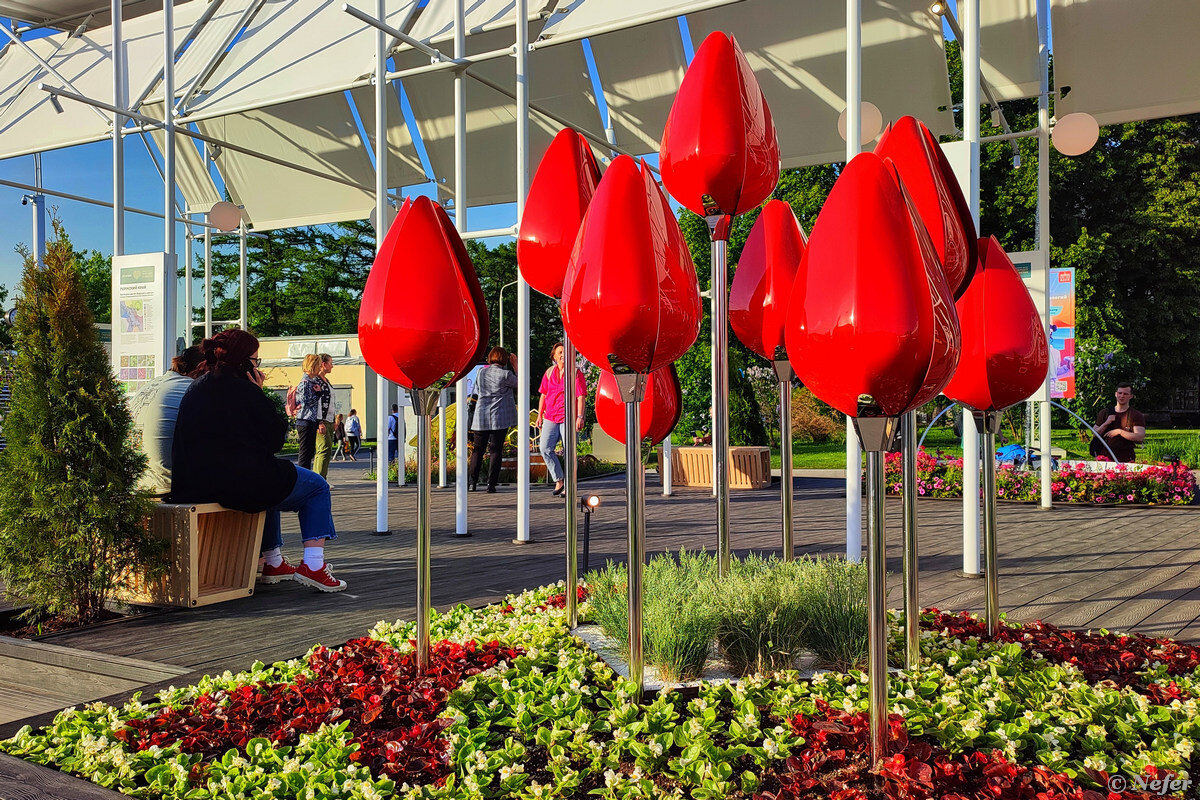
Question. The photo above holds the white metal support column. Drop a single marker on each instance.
(969, 20)
(119, 100)
(188, 242)
(243, 273)
(460, 223)
(1043, 231)
(208, 320)
(443, 398)
(171, 287)
(381, 221)
(523, 363)
(853, 147)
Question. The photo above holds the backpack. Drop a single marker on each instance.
(292, 404)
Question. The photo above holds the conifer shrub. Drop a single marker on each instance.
(72, 520)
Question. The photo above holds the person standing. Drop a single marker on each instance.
(1121, 425)
(353, 434)
(495, 413)
(393, 432)
(226, 439)
(315, 415)
(552, 409)
(339, 438)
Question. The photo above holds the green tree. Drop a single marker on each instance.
(95, 275)
(71, 516)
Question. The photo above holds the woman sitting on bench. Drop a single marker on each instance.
(226, 438)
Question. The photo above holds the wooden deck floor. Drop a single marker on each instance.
(1130, 568)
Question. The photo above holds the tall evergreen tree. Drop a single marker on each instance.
(71, 516)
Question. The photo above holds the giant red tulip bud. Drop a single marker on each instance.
(563, 186)
(762, 284)
(630, 293)
(719, 152)
(658, 412)
(871, 317)
(419, 322)
(1004, 351)
(934, 191)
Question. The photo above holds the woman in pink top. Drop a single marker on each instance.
(552, 409)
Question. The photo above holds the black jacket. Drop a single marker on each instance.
(224, 449)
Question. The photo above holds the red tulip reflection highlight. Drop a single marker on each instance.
(658, 412)
(870, 311)
(762, 284)
(719, 151)
(1004, 351)
(934, 191)
(630, 292)
(471, 279)
(419, 320)
(563, 186)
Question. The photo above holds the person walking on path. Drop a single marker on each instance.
(353, 434)
(393, 432)
(314, 420)
(552, 410)
(495, 413)
(339, 438)
(226, 438)
(1121, 425)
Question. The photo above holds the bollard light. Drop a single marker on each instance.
(587, 506)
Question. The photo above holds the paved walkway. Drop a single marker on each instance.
(1129, 568)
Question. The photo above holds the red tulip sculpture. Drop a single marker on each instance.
(758, 302)
(659, 410)
(558, 198)
(1004, 360)
(871, 330)
(720, 157)
(420, 325)
(632, 305)
(938, 199)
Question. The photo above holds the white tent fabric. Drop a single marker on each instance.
(404, 165)
(436, 21)
(30, 123)
(559, 81)
(581, 17)
(1126, 61)
(1008, 48)
(191, 174)
(801, 67)
(292, 47)
(640, 71)
(317, 133)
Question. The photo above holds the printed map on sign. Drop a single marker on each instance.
(137, 319)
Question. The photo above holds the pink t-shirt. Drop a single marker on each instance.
(555, 391)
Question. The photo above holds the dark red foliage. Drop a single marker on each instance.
(392, 709)
(834, 763)
(560, 600)
(1100, 657)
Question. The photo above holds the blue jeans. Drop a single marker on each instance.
(310, 499)
(393, 446)
(552, 434)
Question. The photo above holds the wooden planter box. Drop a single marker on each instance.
(749, 467)
(508, 468)
(213, 556)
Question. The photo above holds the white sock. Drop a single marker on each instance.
(314, 557)
(274, 557)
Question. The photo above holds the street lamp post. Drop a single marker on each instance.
(502, 288)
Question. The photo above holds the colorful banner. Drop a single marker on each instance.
(1062, 333)
(139, 323)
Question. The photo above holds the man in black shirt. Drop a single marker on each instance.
(1122, 426)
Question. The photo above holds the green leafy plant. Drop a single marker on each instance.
(837, 613)
(71, 516)
(762, 613)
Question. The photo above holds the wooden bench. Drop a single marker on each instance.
(749, 467)
(213, 556)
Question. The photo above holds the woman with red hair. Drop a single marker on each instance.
(226, 439)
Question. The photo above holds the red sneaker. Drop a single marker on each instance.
(321, 579)
(284, 572)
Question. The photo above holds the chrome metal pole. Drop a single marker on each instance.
(877, 607)
(720, 442)
(424, 402)
(633, 389)
(382, 527)
(570, 478)
(521, 59)
(991, 578)
(783, 369)
(912, 606)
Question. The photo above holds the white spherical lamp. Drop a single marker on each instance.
(225, 215)
(1075, 134)
(870, 122)
(389, 219)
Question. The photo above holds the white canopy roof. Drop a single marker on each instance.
(436, 22)
(1008, 48)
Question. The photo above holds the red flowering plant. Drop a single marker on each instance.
(1160, 484)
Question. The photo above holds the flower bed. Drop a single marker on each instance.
(513, 706)
(1159, 484)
